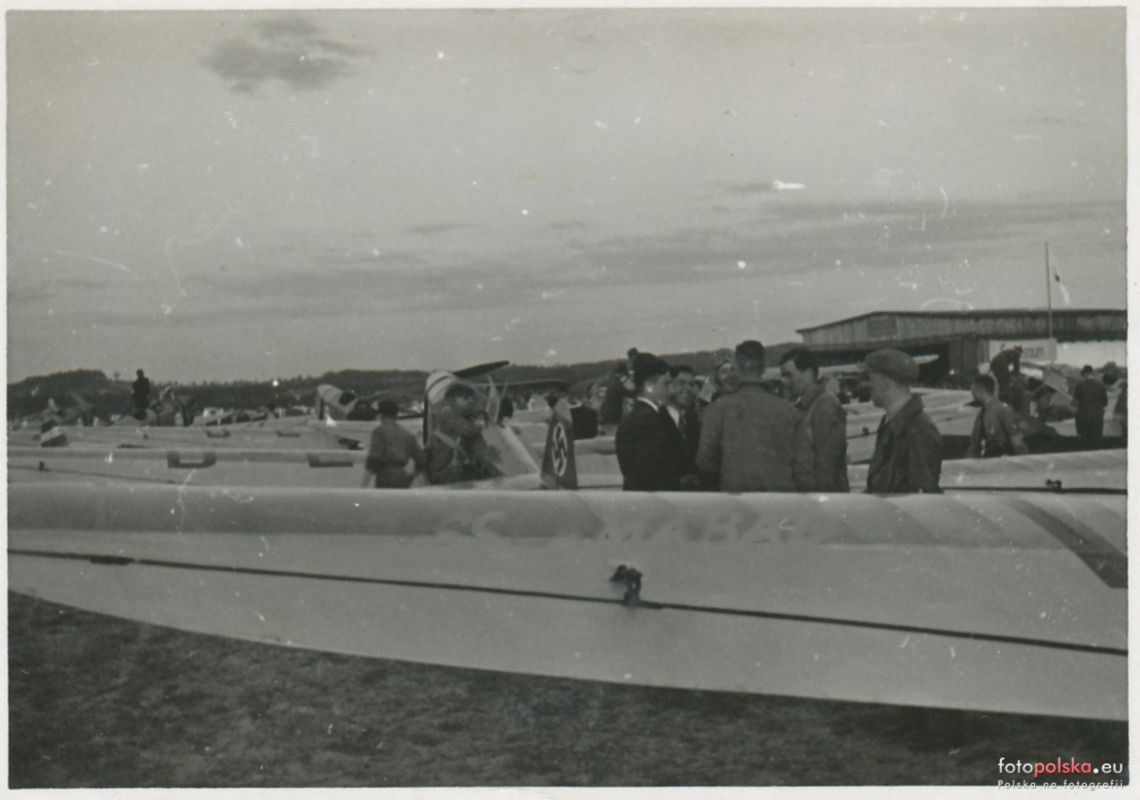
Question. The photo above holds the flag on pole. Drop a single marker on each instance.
(558, 468)
(1064, 292)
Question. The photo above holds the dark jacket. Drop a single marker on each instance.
(611, 411)
(824, 426)
(690, 430)
(748, 442)
(908, 453)
(584, 420)
(1090, 398)
(1004, 363)
(649, 450)
(456, 450)
(140, 391)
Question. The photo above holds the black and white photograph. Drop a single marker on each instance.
(525, 399)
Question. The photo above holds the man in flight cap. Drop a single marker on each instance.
(908, 446)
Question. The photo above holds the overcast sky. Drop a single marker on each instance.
(218, 195)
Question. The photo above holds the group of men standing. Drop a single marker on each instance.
(740, 437)
(750, 440)
(455, 449)
(1005, 385)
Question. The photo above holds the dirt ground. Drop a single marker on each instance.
(100, 702)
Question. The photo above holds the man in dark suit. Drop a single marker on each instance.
(650, 450)
(682, 410)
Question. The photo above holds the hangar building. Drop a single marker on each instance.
(962, 339)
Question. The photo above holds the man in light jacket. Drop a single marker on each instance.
(823, 425)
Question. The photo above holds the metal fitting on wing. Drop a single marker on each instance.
(632, 580)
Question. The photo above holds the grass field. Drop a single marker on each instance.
(99, 702)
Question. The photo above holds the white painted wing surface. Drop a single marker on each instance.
(1011, 603)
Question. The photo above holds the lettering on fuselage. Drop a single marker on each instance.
(658, 521)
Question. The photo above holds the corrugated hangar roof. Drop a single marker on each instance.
(989, 312)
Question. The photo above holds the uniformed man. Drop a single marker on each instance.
(391, 450)
(1091, 399)
(995, 430)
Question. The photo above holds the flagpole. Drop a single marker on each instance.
(1049, 289)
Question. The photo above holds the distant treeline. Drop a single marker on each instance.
(112, 395)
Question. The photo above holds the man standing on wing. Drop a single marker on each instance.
(140, 394)
(908, 446)
(1005, 364)
(823, 425)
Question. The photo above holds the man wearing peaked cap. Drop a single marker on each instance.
(650, 450)
(895, 364)
(908, 446)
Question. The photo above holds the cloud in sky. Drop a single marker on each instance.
(289, 49)
(809, 245)
(322, 171)
(750, 187)
(436, 228)
(567, 225)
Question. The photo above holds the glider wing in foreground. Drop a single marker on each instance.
(1011, 602)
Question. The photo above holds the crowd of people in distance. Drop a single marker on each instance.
(736, 436)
